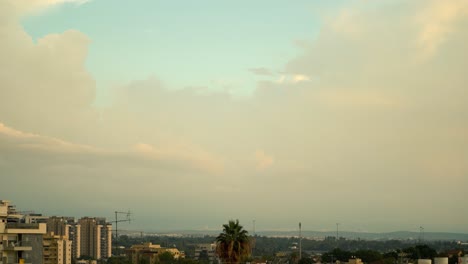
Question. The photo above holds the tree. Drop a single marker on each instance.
(233, 244)
(166, 257)
(336, 254)
(306, 261)
(368, 256)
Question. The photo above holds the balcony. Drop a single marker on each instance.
(21, 228)
(17, 246)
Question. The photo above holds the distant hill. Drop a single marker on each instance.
(399, 235)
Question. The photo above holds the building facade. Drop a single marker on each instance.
(206, 252)
(66, 227)
(149, 253)
(20, 242)
(95, 237)
(57, 249)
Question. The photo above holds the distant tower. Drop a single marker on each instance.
(253, 237)
(337, 224)
(300, 241)
(421, 234)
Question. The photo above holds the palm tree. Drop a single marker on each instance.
(233, 244)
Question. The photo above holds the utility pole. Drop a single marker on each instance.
(300, 241)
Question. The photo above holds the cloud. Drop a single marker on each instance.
(21, 7)
(45, 85)
(437, 21)
(356, 115)
(262, 160)
(262, 71)
(52, 151)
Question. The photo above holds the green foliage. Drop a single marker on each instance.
(166, 257)
(421, 252)
(118, 260)
(368, 256)
(306, 261)
(233, 244)
(267, 247)
(143, 261)
(337, 254)
(83, 257)
(204, 257)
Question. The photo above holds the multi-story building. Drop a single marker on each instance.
(56, 249)
(206, 252)
(95, 237)
(59, 226)
(149, 252)
(75, 237)
(20, 242)
(67, 227)
(33, 218)
(106, 238)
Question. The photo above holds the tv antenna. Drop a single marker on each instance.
(117, 220)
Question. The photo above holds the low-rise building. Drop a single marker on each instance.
(150, 253)
(463, 260)
(206, 252)
(355, 261)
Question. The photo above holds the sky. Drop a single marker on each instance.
(191, 113)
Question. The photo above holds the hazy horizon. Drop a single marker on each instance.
(191, 113)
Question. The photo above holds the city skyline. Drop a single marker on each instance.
(192, 113)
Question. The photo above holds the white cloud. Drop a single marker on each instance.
(21, 7)
(437, 21)
(57, 151)
(352, 116)
(262, 160)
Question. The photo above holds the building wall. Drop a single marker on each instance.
(106, 244)
(149, 252)
(58, 225)
(463, 260)
(95, 237)
(20, 242)
(57, 250)
(75, 237)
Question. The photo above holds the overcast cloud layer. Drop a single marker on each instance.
(368, 127)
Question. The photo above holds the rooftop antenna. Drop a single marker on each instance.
(117, 220)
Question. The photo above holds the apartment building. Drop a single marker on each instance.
(57, 249)
(95, 237)
(20, 242)
(66, 227)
